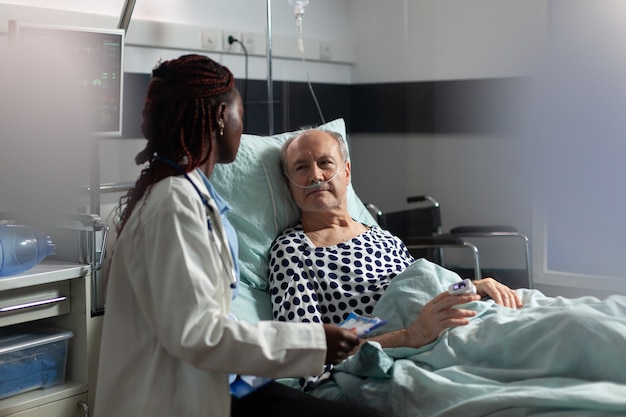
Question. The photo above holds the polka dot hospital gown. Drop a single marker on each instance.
(325, 284)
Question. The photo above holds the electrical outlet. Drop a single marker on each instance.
(210, 39)
(326, 51)
(231, 47)
(250, 41)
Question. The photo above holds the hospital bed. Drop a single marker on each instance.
(454, 376)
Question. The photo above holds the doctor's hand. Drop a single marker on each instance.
(340, 343)
(500, 293)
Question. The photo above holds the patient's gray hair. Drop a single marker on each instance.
(343, 147)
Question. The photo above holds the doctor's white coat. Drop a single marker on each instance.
(168, 345)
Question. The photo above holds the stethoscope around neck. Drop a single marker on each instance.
(211, 218)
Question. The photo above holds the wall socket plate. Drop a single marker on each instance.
(231, 47)
(211, 39)
(252, 41)
(326, 51)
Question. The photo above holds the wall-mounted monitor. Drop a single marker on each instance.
(97, 56)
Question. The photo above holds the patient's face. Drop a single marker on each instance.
(316, 158)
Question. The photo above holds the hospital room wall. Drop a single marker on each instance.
(469, 59)
(565, 167)
(436, 43)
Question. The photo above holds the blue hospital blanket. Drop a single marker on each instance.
(553, 357)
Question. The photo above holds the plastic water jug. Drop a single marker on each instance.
(22, 247)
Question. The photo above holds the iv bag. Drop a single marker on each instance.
(298, 5)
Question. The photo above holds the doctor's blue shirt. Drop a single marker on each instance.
(231, 234)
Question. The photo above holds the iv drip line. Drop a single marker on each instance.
(298, 8)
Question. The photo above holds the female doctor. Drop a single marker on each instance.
(168, 345)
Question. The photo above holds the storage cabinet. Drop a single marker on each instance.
(75, 406)
(62, 294)
(21, 305)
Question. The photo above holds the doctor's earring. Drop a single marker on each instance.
(221, 125)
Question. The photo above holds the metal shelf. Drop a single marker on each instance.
(50, 270)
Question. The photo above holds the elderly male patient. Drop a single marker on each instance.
(328, 265)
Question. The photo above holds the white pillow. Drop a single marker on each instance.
(254, 186)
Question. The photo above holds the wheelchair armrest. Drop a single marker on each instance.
(433, 241)
(422, 199)
(483, 230)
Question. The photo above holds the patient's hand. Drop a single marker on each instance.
(437, 315)
(500, 293)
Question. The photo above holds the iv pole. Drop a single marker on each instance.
(126, 14)
(270, 86)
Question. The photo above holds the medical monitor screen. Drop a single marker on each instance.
(96, 56)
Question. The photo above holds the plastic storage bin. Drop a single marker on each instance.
(31, 357)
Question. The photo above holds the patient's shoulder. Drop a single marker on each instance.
(290, 231)
(294, 231)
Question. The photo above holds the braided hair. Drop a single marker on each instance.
(178, 120)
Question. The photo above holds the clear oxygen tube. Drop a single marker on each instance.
(315, 184)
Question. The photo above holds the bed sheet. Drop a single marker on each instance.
(553, 357)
